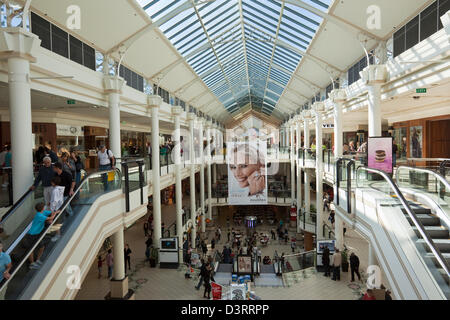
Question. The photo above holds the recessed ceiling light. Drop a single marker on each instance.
(44, 108)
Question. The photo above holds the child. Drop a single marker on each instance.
(100, 265)
(56, 201)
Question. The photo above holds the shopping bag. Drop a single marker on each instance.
(111, 176)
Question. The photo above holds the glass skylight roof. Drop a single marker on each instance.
(244, 50)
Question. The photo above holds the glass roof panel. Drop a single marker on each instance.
(241, 60)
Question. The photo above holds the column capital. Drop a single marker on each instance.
(306, 115)
(113, 84)
(208, 125)
(298, 119)
(154, 101)
(446, 22)
(18, 43)
(338, 96)
(319, 108)
(374, 74)
(177, 110)
(191, 116)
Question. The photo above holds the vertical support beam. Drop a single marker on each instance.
(319, 109)
(113, 88)
(374, 76)
(18, 47)
(201, 122)
(299, 169)
(154, 102)
(306, 118)
(119, 258)
(176, 112)
(191, 120)
(208, 159)
(292, 142)
(338, 98)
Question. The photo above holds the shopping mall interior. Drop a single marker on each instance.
(167, 150)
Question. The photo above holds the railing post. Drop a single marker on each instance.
(10, 187)
(127, 186)
(141, 180)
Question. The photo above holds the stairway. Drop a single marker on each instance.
(438, 232)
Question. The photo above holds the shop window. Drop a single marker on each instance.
(412, 33)
(41, 28)
(444, 6)
(140, 83)
(428, 21)
(89, 57)
(399, 42)
(76, 50)
(60, 41)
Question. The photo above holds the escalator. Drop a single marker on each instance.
(409, 228)
(14, 226)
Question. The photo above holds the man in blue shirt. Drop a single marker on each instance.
(5, 267)
(37, 227)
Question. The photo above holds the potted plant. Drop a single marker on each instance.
(344, 264)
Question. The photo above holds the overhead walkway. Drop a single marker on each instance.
(96, 209)
(406, 224)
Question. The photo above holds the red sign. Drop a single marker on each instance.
(216, 291)
(293, 213)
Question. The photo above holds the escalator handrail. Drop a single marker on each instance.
(436, 252)
(15, 206)
(435, 174)
(17, 267)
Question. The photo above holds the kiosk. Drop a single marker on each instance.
(168, 254)
(321, 244)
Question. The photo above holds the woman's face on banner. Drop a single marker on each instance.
(242, 171)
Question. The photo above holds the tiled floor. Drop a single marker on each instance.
(164, 284)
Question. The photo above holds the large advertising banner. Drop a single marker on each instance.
(380, 153)
(247, 172)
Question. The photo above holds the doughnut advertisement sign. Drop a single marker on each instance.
(247, 177)
(380, 153)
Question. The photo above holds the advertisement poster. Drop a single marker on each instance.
(416, 142)
(216, 290)
(380, 154)
(244, 264)
(247, 167)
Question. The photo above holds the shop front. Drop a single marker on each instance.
(134, 143)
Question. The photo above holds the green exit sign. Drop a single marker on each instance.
(70, 101)
(421, 90)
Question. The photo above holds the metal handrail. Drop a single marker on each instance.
(299, 254)
(436, 252)
(15, 206)
(44, 232)
(435, 174)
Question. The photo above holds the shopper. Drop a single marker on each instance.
(213, 244)
(326, 261)
(66, 182)
(336, 260)
(202, 274)
(354, 266)
(37, 228)
(259, 254)
(79, 165)
(293, 244)
(45, 175)
(207, 281)
(100, 265)
(110, 263)
(68, 164)
(162, 229)
(5, 268)
(228, 235)
(369, 295)
(106, 162)
(7, 164)
(146, 228)
(127, 253)
(204, 247)
(56, 201)
(50, 153)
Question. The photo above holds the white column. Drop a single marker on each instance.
(191, 119)
(154, 102)
(208, 159)
(118, 254)
(113, 88)
(319, 108)
(374, 76)
(299, 169)
(292, 161)
(176, 112)
(18, 48)
(338, 98)
(201, 123)
(306, 118)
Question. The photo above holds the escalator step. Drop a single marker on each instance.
(429, 255)
(435, 232)
(442, 244)
(427, 220)
(418, 210)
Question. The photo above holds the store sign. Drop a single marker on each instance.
(69, 131)
(380, 154)
(328, 126)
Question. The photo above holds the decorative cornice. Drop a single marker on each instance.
(18, 43)
(113, 84)
(154, 101)
(177, 110)
(374, 74)
(338, 96)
